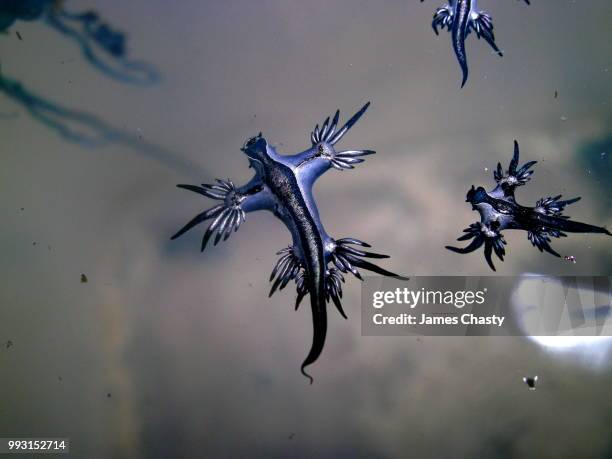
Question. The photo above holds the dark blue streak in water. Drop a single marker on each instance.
(102, 46)
(88, 130)
(94, 37)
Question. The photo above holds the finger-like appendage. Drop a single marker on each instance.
(210, 213)
(474, 245)
(286, 269)
(482, 24)
(515, 176)
(541, 241)
(347, 159)
(488, 251)
(348, 259)
(498, 247)
(226, 217)
(480, 234)
(443, 18)
(333, 289)
(302, 288)
(554, 206)
(349, 124)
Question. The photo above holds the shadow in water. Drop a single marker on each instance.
(105, 49)
(90, 131)
(101, 45)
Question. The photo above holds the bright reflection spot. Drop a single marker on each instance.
(592, 351)
(562, 343)
(575, 346)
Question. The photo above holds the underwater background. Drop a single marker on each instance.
(160, 351)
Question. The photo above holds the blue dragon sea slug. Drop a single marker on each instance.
(499, 211)
(460, 18)
(283, 184)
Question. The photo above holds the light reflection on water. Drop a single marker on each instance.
(581, 344)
